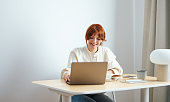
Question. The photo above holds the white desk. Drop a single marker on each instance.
(67, 91)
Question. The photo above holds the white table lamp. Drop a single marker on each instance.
(161, 57)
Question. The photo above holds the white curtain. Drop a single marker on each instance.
(155, 36)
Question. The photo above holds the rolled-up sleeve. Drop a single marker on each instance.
(112, 62)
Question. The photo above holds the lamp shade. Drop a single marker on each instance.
(160, 56)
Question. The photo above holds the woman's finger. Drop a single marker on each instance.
(68, 78)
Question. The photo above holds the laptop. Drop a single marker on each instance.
(88, 73)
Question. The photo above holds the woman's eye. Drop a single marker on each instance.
(98, 38)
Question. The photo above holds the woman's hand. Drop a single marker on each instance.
(67, 77)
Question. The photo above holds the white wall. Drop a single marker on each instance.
(128, 41)
(36, 37)
(138, 16)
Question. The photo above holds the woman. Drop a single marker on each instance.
(93, 52)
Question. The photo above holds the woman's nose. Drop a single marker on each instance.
(95, 40)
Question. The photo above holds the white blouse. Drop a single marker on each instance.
(103, 54)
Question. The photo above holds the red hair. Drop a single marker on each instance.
(95, 29)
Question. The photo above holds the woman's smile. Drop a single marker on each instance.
(93, 44)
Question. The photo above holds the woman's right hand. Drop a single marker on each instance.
(67, 77)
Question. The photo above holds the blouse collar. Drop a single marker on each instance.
(92, 53)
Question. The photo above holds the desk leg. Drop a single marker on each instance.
(66, 99)
(145, 95)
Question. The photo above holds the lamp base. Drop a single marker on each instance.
(163, 73)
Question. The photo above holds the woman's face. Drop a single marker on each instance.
(94, 42)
